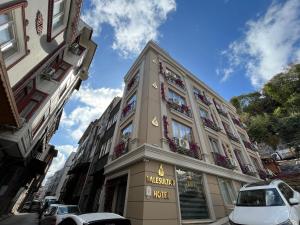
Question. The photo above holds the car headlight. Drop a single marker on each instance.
(288, 222)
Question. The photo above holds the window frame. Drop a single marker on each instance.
(190, 137)
(52, 33)
(182, 100)
(18, 13)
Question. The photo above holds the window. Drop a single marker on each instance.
(227, 127)
(192, 198)
(227, 191)
(255, 162)
(56, 70)
(112, 120)
(204, 113)
(181, 131)
(239, 157)
(58, 14)
(215, 145)
(243, 136)
(102, 150)
(57, 18)
(108, 145)
(126, 132)
(173, 74)
(12, 33)
(8, 40)
(174, 97)
(132, 100)
(259, 198)
(286, 191)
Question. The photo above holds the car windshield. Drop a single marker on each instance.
(68, 209)
(259, 198)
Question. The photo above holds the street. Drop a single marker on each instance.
(21, 219)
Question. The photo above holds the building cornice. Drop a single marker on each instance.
(150, 152)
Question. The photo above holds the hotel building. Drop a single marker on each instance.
(179, 152)
(46, 51)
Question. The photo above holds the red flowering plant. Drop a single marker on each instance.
(128, 108)
(194, 149)
(179, 83)
(119, 150)
(208, 123)
(223, 161)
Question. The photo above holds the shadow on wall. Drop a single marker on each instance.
(48, 46)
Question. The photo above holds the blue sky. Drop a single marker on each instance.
(234, 46)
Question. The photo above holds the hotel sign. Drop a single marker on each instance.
(160, 180)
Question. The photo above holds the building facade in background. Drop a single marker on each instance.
(46, 51)
(84, 184)
(178, 153)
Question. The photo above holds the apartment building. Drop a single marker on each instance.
(179, 152)
(46, 51)
(84, 183)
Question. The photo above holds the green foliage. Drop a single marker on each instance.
(273, 115)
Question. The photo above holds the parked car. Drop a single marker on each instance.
(55, 213)
(95, 219)
(48, 200)
(35, 206)
(288, 153)
(266, 203)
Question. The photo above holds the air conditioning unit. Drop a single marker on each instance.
(48, 73)
(183, 143)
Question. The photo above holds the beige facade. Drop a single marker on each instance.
(195, 138)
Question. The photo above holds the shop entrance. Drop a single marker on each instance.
(115, 194)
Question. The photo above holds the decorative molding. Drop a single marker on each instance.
(39, 23)
(154, 122)
(151, 152)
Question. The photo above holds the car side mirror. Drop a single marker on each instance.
(294, 201)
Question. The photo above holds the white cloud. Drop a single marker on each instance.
(134, 22)
(91, 103)
(59, 161)
(270, 43)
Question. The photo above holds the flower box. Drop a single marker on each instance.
(202, 98)
(208, 123)
(184, 109)
(223, 161)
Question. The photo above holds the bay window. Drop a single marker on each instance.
(192, 197)
(227, 191)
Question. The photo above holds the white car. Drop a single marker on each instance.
(266, 203)
(55, 213)
(95, 219)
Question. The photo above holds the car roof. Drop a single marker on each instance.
(262, 185)
(99, 216)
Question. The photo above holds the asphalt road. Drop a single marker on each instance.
(21, 219)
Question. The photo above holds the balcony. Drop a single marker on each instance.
(202, 98)
(232, 136)
(176, 81)
(248, 169)
(75, 55)
(222, 112)
(184, 147)
(120, 149)
(184, 109)
(210, 124)
(237, 122)
(223, 161)
(130, 107)
(249, 145)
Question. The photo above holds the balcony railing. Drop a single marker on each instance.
(176, 81)
(248, 169)
(223, 161)
(232, 136)
(202, 98)
(208, 123)
(120, 149)
(192, 150)
(128, 108)
(184, 109)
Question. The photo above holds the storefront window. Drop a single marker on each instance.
(192, 198)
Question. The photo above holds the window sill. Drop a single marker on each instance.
(181, 115)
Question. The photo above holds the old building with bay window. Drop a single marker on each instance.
(46, 51)
(179, 153)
